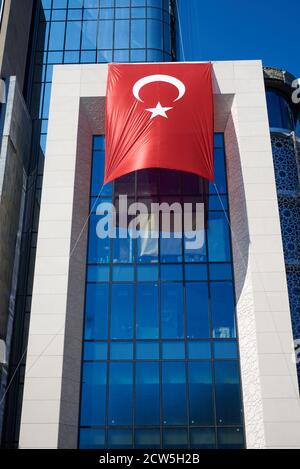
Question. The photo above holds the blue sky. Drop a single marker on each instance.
(242, 29)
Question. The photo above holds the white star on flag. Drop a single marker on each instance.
(159, 111)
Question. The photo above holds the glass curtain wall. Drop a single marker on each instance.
(160, 354)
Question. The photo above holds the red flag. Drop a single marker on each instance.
(159, 116)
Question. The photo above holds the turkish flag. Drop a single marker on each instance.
(159, 116)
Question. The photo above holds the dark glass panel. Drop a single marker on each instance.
(96, 312)
(119, 438)
(230, 438)
(95, 351)
(173, 350)
(218, 237)
(93, 397)
(200, 393)
(147, 351)
(199, 349)
(121, 351)
(176, 438)
(174, 393)
(197, 311)
(225, 349)
(172, 315)
(122, 311)
(228, 393)
(147, 398)
(147, 311)
(120, 394)
(92, 438)
(147, 438)
(203, 438)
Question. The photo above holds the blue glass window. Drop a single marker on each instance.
(96, 312)
(197, 314)
(92, 438)
(93, 409)
(122, 301)
(120, 384)
(228, 393)
(222, 306)
(172, 315)
(200, 393)
(147, 311)
(280, 113)
(174, 393)
(147, 399)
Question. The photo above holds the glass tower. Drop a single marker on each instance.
(160, 354)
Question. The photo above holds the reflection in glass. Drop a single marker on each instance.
(200, 393)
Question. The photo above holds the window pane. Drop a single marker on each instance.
(147, 410)
(89, 33)
(121, 351)
(174, 393)
(138, 33)
(119, 438)
(171, 272)
(120, 394)
(73, 35)
(172, 316)
(225, 349)
(173, 350)
(197, 313)
(98, 249)
(92, 438)
(175, 438)
(95, 351)
(147, 351)
(223, 310)
(105, 37)
(203, 438)
(227, 392)
(122, 311)
(199, 349)
(147, 438)
(147, 311)
(218, 237)
(230, 438)
(200, 393)
(93, 398)
(96, 312)
(57, 36)
(121, 34)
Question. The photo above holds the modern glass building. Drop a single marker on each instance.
(132, 344)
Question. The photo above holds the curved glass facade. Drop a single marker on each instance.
(95, 31)
(160, 352)
(279, 111)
